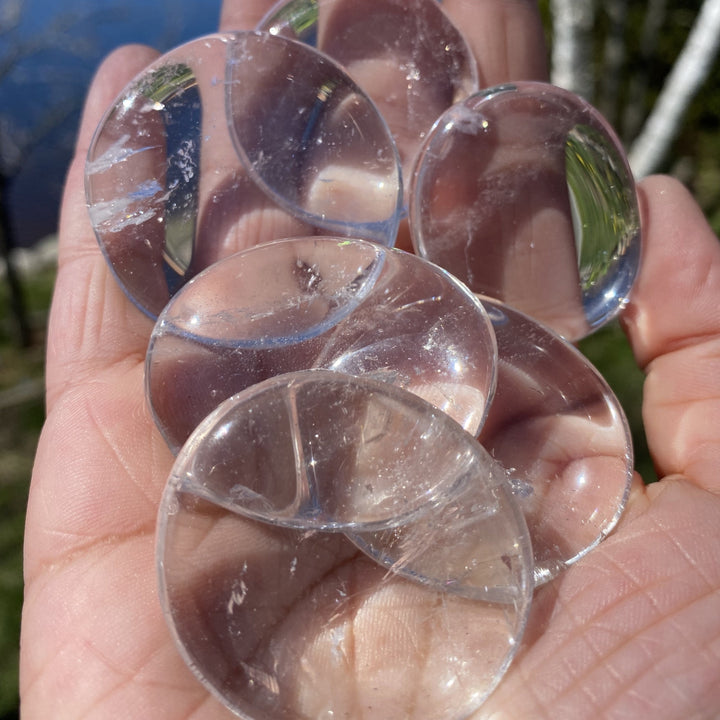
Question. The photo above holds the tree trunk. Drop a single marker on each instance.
(689, 72)
(572, 46)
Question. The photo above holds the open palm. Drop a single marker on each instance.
(631, 631)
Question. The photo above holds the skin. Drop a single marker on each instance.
(630, 631)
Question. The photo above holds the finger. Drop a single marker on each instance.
(673, 322)
(112, 75)
(506, 37)
(92, 323)
(243, 14)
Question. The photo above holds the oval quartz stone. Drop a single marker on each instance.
(273, 602)
(346, 305)
(524, 193)
(177, 176)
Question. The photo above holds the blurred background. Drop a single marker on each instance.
(651, 67)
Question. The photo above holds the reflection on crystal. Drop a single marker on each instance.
(278, 612)
(313, 139)
(558, 429)
(462, 546)
(406, 54)
(524, 193)
(347, 305)
(168, 193)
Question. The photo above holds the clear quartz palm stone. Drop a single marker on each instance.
(170, 191)
(524, 193)
(346, 305)
(314, 140)
(406, 54)
(279, 613)
(560, 432)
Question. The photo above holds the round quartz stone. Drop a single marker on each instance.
(351, 306)
(524, 193)
(271, 527)
(406, 54)
(561, 434)
(218, 146)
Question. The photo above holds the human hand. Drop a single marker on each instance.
(630, 630)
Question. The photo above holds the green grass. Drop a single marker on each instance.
(21, 418)
(610, 352)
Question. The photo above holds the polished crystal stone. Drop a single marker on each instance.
(560, 432)
(406, 54)
(229, 141)
(524, 193)
(351, 306)
(273, 602)
(313, 138)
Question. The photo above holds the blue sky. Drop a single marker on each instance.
(54, 73)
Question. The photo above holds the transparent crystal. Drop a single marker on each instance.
(283, 616)
(406, 54)
(177, 176)
(314, 140)
(560, 432)
(523, 192)
(347, 305)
